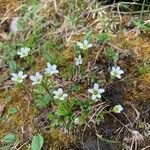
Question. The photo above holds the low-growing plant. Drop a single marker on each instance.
(111, 54)
(66, 110)
(103, 38)
(141, 24)
(144, 69)
(9, 52)
(73, 38)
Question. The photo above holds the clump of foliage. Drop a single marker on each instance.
(68, 111)
(54, 87)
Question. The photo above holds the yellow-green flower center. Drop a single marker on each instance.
(60, 95)
(95, 92)
(19, 79)
(115, 73)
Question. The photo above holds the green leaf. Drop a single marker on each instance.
(47, 56)
(33, 2)
(123, 6)
(9, 138)
(39, 90)
(144, 69)
(111, 54)
(109, 141)
(104, 37)
(64, 109)
(29, 59)
(12, 65)
(55, 120)
(52, 116)
(88, 35)
(43, 101)
(75, 88)
(12, 110)
(74, 102)
(141, 24)
(37, 142)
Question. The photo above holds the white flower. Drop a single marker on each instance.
(85, 45)
(116, 72)
(23, 52)
(117, 109)
(51, 69)
(37, 78)
(96, 91)
(18, 78)
(59, 94)
(78, 60)
(77, 121)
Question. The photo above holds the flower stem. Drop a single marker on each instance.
(46, 88)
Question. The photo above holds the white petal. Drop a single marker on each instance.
(79, 57)
(56, 71)
(46, 69)
(55, 97)
(60, 90)
(96, 86)
(90, 91)
(41, 76)
(120, 107)
(21, 56)
(93, 97)
(54, 67)
(98, 95)
(19, 53)
(120, 71)
(90, 45)
(13, 79)
(37, 74)
(56, 92)
(80, 44)
(20, 73)
(86, 42)
(113, 68)
(75, 58)
(80, 62)
(32, 78)
(65, 95)
(24, 76)
(61, 98)
(101, 90)
(118, 76)
(14, 75)
(27, 50)
(48, 65)
(118, 68)
(77, 63)
(22, 49)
